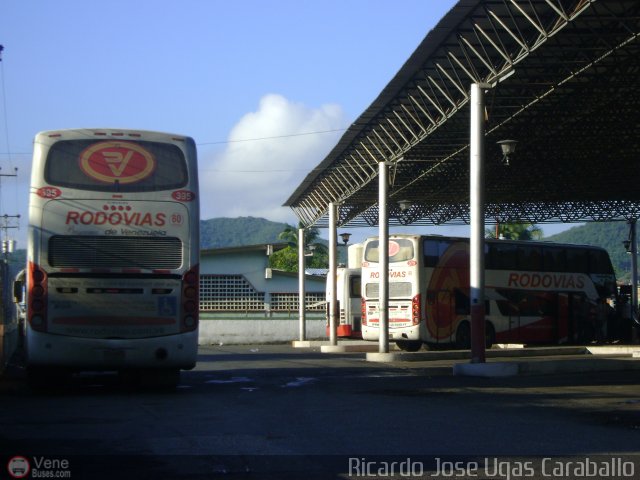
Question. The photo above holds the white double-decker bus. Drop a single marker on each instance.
(113, 253)
(535, 292)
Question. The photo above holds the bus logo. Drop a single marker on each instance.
(117, 162)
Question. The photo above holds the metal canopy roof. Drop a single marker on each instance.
(565, 85)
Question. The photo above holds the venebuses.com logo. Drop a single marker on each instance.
(38, 467)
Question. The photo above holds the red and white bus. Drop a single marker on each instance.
(113, 252)
(535, 292)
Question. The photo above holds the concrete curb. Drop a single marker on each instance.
(519, 361)
(497, 369)
(323, 343)
(348, 348)
(545, 367)
(591, 359)
(610, 350)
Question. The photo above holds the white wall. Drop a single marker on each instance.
(246, 331)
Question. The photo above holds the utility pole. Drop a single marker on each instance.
(8, 246)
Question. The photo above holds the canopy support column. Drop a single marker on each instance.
(476, 247)
(383, 256)
(333, 271)
(301, 287)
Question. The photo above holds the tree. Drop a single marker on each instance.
(287, 258)
(516, 231)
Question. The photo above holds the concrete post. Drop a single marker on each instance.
(302, 312)
(383, 256)
(634, 279)
(476, 248)
(333, 271)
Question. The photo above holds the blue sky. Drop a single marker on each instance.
(265, 88)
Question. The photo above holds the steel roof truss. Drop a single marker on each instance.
(391, 151)
(500, 51)
(558, 10)
(369, 152)
(556, 103)
(433, 102)
(456, 84)
(479, 56)
(349, 171)
(333, 194)
(415, 120)
(444, 94)
(368, 173)
(393, 139)
(423, 110)
(516, 38)
(543, 34)
(340, 178)
(472, 78)
(375, 161)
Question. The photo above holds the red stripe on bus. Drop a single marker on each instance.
(111, 321)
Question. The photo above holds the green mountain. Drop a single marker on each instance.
(608, 235)
(236, 232)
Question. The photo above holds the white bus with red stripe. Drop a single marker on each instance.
(113, 252)
(535, 292)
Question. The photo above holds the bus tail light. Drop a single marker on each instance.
(415, 309)
(37, 298)
(363, 311)
(190, 299)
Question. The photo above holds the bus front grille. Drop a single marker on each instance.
(83, 251)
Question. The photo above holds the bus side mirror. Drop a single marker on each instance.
(18, 288)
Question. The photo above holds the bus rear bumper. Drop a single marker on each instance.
(395, 334)
(173, 351)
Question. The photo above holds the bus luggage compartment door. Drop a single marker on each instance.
(441, 314)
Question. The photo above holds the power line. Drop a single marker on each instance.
(222, 142)
(272, 137)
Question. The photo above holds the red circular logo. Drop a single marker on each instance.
(394, 248)
(117, 161)
(18, 467)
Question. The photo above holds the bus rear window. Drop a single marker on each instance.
(400, 250)
(120, 166)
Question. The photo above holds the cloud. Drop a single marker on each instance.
(268, 154)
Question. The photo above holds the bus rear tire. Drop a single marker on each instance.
(409, 345)
(463, 336)
(489, 335)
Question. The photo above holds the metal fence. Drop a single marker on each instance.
(234, 293)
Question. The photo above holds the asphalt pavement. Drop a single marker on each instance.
(274, 411)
